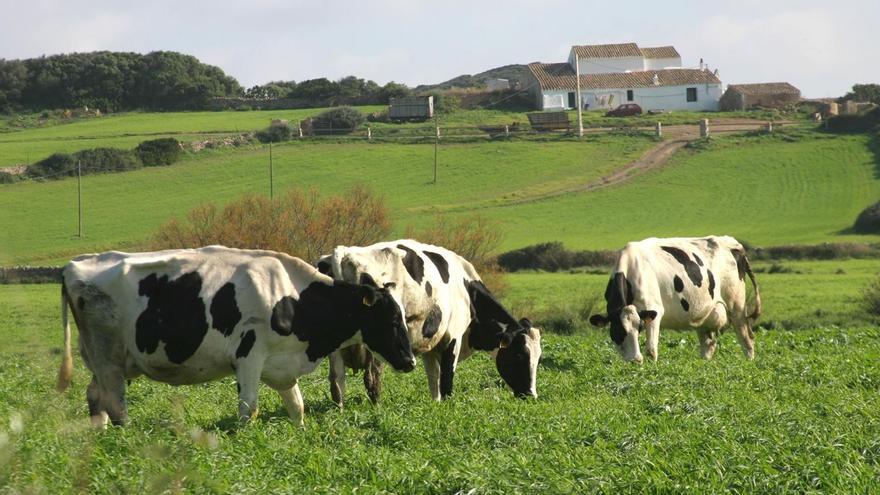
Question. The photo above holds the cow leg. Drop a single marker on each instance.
(432, 369)
(337, 378)
(373, 379)
(248, 377)
(99, 417)
(708, 340)
(745, 336)
(447, 368)
(293, 402)
(652, 337)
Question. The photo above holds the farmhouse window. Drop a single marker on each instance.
(692, 94)
(571, 100)
(629, 95)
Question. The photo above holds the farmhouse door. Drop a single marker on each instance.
(572, 103)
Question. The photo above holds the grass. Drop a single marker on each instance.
(121, 209)
(800, 418)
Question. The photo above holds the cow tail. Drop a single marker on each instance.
(753, 317)
(65, 373)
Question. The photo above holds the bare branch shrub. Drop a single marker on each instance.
(300, 223)
(475, 238)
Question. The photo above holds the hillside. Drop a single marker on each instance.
(805, 187)
(512, 72)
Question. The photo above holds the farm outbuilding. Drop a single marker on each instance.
(411, 107)
(766, 95)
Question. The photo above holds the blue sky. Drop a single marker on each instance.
(820, 46)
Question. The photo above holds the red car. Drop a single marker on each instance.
(625, 110)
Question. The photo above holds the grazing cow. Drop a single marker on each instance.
(682, 283)
(449, 313)
(193, 315)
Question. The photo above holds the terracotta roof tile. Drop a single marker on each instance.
(617, 50)
(561, 76)
(764, 88)
(660, 52)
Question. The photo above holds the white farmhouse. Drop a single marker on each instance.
(623, 73)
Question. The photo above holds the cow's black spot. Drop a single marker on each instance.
(618, 294)
(175, 315)
(489, 319)
(413, 264)
(224, 311)
(447, 369)
(678, 284)
(711, 244)
(691, 268)
(432, 322)
(282, 316)
(441, 264)
(428, 289)
(685, 305)
(247, 342)
(742, 263)
(325, 268)
(367, 279)
(711, 284)
(697, 259)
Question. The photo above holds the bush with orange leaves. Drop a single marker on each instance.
(475, 238)
(300, 223)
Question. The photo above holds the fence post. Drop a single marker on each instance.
(506, 131)
(769, 127)
(658, 129)
(704, 128)
(79, 203)
(369, 134)
(300, 129)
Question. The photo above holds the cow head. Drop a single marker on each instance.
(517, 359)
(383, 328)
(624, 327)
(623, 318)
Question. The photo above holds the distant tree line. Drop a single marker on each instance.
(112, 81)
(323, 89)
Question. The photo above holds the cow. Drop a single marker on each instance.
(193, 315)
(681, 283)
(449, 314)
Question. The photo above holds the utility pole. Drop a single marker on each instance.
(577, 76)
(271, 181)
(79, 202)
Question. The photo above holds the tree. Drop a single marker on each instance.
(864, 92)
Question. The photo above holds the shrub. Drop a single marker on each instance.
(475, 238)
(299, 223)
(107, 160)
(855, 123)
(552, 257)
(155, 152)
(871, 297)
(55, 166)
(341, 120)
(7, 178)
(275, 133)
(868, 221)
(445, 103)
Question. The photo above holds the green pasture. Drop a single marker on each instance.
(801, 418)
(39, 221)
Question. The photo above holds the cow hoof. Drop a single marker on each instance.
(653, 355)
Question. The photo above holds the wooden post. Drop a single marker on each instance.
(436, 144)
(79, 197)
(506, 131)
(271, 181)
(369, 134)
(300, 129)
(577, 77)
(658, 129)
(704, 128)
(769, 127)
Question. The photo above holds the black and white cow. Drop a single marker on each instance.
(193, 315)
(449, 313)
(680, 283)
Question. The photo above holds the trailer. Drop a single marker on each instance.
(412, 108)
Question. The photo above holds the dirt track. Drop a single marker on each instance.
(676, 137)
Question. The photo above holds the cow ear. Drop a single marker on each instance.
(598, 321)
(367, 279)
(647, 316)
(504, 340)
(525, 323)
(370, 295)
